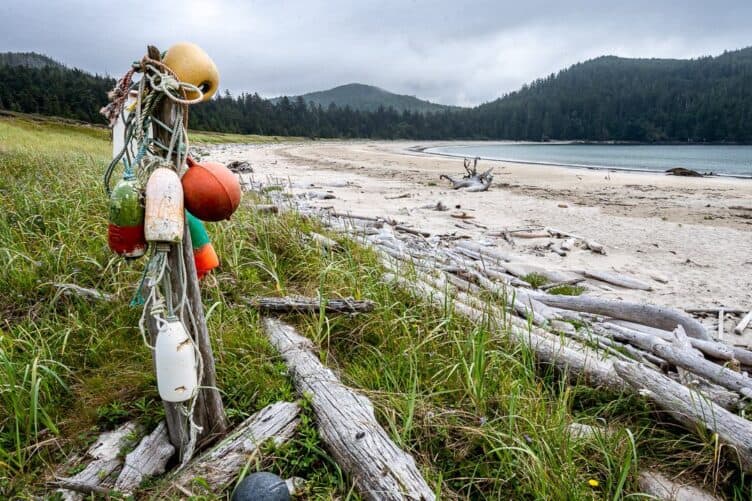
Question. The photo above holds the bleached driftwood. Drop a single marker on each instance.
(149, 458)
(646, 314)
(711, 349)
(85, 292)
(739, 329)
(471, 181)
(590, 244)
(380, 469)
(324, 242)
(300, 304)
(97, 476)
(619, 279)
(661, 487)
(220, 465)
(702, 367)
(691, 409)
(412, 231)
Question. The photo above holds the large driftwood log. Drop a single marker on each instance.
(300, 304)
(646, 314)
(380, 469)
(691, 409)
(106, 461)
(661, 487)
(146, 460)
(220, 465)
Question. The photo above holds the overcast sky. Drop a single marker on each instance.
(447, 51)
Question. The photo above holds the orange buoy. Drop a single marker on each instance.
(212, 191)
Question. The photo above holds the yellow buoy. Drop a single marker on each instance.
(192, 65)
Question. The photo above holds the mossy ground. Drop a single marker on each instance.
(481, 418)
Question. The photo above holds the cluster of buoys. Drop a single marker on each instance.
(207, 191)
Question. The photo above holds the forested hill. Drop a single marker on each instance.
(368, 98)
(605, 99)
(611, 98)
(27, 59)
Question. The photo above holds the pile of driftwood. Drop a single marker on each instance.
(346, 424)
(662, 353)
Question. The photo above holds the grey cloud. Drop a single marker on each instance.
(447, 51)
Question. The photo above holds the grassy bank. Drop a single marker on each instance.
(482, 420)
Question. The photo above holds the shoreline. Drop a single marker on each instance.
(426, 151)
(692, 233)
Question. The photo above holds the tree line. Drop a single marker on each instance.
(605, 99)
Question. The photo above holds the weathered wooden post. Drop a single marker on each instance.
(209, 412)
(156, 143)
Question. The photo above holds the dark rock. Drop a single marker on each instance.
(261, 486)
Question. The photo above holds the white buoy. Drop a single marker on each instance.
(175, 362)
(164, 215)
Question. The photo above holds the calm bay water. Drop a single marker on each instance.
(727, 160)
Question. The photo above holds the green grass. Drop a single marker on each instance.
(482, 419)
(535, 279)
(567, 290)
(204, 137)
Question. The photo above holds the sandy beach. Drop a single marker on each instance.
(690, 238)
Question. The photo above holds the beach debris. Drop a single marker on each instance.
(681, 171)
(73, 289)
(472, 181)
(438, 206)
(240, 167)
(743, 323)
(395, 197)
(318, 195)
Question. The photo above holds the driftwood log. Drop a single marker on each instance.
(691, 409)
(219, 466)
(300, 304)
(98, 475)
(471, 181)
(646, 314)
(148, 459)
(380, 469)
(661, 487)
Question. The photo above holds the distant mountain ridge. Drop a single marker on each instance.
(27, 59)
(363, 97)
(609, 98)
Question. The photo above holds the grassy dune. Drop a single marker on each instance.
(483, 421)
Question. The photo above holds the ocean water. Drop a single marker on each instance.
(725, 160)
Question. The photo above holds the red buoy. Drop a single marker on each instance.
(212, 191)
